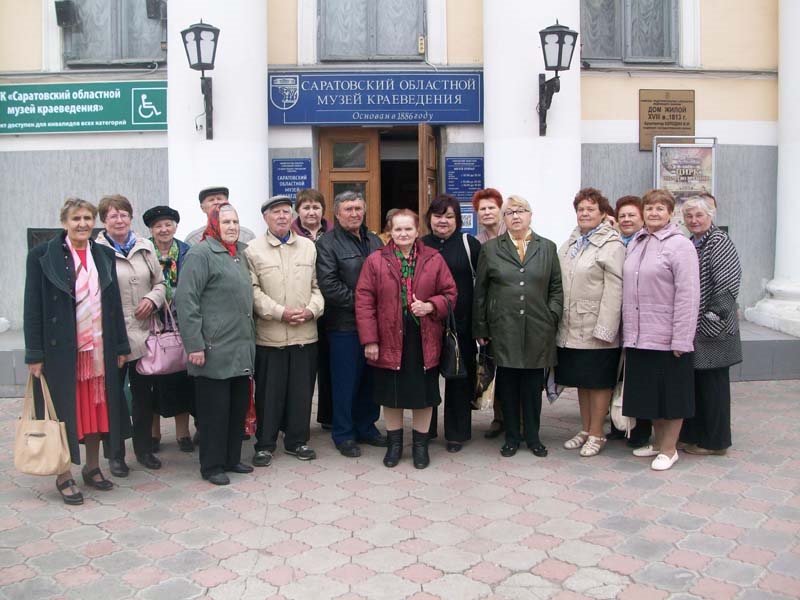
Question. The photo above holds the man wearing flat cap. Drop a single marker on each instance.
(287, 303)
(209, 198)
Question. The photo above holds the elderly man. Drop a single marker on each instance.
(287, 302)
(341, 254)
(209, 198)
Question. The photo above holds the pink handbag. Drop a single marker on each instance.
(165, 354)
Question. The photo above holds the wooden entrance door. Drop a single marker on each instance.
(350, 160)
(428, 166)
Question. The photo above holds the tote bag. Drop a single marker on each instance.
(40, 445)
(451, 365)
(165, 353)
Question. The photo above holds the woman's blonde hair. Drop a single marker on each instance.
(516, 202)
(71, 204)
(699, 202)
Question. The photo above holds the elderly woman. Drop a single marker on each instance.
(215, 302)
(402, 297)
(75, 336)
(174, 393)
(661, 297)
(142, 289)
(517, 306)
(311, 224)
(717, 345)
(588, 335)
(460, 252)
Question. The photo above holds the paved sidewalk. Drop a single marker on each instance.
(472, 525)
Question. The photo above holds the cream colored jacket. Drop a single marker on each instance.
(140, 276)
(592, 283)
(284, 275)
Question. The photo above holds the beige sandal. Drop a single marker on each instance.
(593, 446)
(576, 441)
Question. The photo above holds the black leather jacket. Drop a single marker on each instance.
(340, 256)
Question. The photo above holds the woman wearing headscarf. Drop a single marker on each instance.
(215, 303)
(142, 290)
(75, 336)
(174, 393)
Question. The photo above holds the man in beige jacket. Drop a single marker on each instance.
(287, 303)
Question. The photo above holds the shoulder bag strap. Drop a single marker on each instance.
(465, 239)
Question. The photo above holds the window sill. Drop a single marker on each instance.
(651, 69)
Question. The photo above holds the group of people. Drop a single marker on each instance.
(312, 301)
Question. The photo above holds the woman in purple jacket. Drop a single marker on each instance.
(661, 297)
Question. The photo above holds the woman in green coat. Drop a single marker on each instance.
(215, 301)
(517, 305)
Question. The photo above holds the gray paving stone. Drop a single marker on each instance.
(645, 481)
(99, 514)
(787, 563)
(788, 513)
(579, 553)
(596, 583)
(9, 557)
(139, 536)
(456, 586)
(153, 516)
(733, 571)
(644, 549)
(714, 498)
(622, 524)
(682, 521)
(199, 537)
(707, 544)
(107, 588)
(526, 586)
(119, 562)
(772, 540)
(666, 577)
(186, 562)
(13, 538)
(760, 492)
(47, 564)
(251, 588)
(30, 589)
(746, 519)
(314, 586)
(173, 589)
(79, 536)
(753, 594)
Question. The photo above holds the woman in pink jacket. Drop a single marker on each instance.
(661, 297)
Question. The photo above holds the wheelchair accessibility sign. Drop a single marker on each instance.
(149, 106)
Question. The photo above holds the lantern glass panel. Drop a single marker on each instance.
(207, 46)
(551, 50)
(191, 47)
(567, 50)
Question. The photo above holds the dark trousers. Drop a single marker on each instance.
(221, 406)
(710, 428)
(324, 398)
(640, 434)
(284, 389)
(458, 396)
(143, 403)
(354, 412)
(515, 388)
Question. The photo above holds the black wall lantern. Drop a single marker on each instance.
(200, 42)
(558, 45)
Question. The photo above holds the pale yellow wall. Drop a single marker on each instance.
(20, 35)
(464, 32)
(282, 32)
(617, 97)
(739, 34)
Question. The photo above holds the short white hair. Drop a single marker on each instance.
(516, 202)
(699, 202)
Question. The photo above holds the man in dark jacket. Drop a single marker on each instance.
(340, 256)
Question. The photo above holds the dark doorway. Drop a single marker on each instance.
(399, 186)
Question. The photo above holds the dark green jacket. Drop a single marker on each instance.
(518, 305)
(51, 333)
(215, 301)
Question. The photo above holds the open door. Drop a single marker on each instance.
(428, 167)
(350, 160)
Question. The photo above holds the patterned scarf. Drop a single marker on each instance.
(213, 231)
(522, 245)
(581, 242)
(407, 266)
(126, 246)
(169, 264)
(89, 322)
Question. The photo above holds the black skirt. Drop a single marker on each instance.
(588, 369)
(410, 387)
(658, 385)
(174, 394)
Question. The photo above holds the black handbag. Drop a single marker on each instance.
(451, 365)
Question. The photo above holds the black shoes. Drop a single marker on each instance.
(495, 429)
(262, 458)
(118, 467)
(71, 499)
(217, 479)
(394, 448)
(185, 444)
(101, 484)
(509, 449)
(377, 440)
(419, 449)
(240, 468)
(349, 448)
(149, 461)
(454, 446)
(538, 450)
(301, 452)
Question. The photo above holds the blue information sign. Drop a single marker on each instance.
(463, 176)
(380, 98)
(290, 175)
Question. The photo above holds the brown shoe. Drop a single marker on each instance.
(697, 450)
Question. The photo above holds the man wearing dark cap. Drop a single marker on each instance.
(209, 198)
(287, 303)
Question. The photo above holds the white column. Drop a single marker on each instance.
(544, 170)
(780, 309)
(237, 156)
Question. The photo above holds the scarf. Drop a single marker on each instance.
(169, 264)
(89, 322)
(522, 245)
(212, 230)
(581, 242)
(626, 239)
(126, 246)
(407, 266)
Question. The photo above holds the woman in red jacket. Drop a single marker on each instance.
(401, 300)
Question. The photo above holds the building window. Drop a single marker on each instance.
(371, 29)
(116, 33)
(629, 31)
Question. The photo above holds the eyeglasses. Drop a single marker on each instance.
(514, 213)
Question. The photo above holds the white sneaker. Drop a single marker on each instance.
(645, 451)
(662, 462)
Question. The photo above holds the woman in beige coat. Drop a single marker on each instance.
(587, 340)
(142, 290)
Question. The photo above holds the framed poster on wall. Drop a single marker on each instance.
(685, 169)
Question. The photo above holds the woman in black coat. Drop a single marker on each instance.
(460, 252)
(72, 299)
